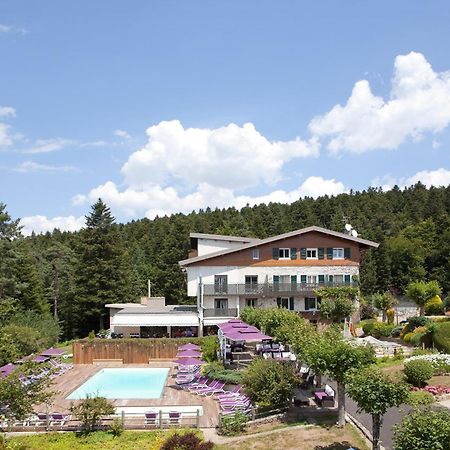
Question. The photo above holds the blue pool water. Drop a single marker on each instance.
(123, 384)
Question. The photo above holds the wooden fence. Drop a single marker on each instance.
(132, 351)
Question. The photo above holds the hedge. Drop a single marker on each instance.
(441, 337)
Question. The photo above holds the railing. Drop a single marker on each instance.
(220, 312)
(268, 289)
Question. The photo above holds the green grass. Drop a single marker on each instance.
(129, 440)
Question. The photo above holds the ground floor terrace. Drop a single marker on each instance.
(195, 411)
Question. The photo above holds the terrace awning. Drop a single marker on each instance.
(155, 320)
(53, 352)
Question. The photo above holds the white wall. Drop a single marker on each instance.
(206, 246)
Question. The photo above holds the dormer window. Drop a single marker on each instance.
(311, 253)
(283, 253)
(338, 253)
(255, 253)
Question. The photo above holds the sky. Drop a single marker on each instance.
(162, 106)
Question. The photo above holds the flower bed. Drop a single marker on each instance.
(435, 390)
(440, 362)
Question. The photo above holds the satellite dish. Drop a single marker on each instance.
(347, 227)
(354, 233)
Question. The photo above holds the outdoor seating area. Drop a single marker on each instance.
(325, 397)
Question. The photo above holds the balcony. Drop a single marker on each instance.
(268, 289)
(220, 312)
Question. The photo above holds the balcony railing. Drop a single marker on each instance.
(220, 312)
(268, 289)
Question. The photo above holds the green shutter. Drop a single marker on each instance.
(291, 303)
(320, 252)
(275, 253)
(303, 253)
(306, 304)
(276, 279)
(330, 253)
(330, 279)
(321, 279)
(294, 282)
(347, 253)
(293, 253)
(303, 279)
(347, 279)
(279, 302)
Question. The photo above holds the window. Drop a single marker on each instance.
(286, 302)
(255, 253)
(312, 279)
(283, 253)
(251, 302)
(251, 283)
(221, 284)
(311, 304)
(338, 253)
(338, 279)
(221, 303)
(311, 253)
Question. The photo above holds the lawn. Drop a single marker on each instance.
(306, 438)
(129, 440)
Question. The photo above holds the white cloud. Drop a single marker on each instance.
(7, 111)
(12, 29)
(122, 134)
(49, 145)
(436, 178)
(419, 102)
(5, 138)
(156, 200)
(31, 166)
(42, 224)
(229, 157)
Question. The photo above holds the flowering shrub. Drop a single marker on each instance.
(439, 361)
(440, 389)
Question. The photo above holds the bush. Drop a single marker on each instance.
(440, 362)
(408, 336)
(420, 398)
(396, 331)
(367, 312)
(187, 441)
(116, 427)
(418, 372)
(216, 371)
(270, 382)
(233, 424)
(441, 337)
(423, 429)
(89, 411)
(434, 306)
(252, 316)
(417, 321)
(378, 329)
(209, 346)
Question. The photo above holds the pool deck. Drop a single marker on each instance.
(172, 395)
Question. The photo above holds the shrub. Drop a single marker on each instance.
(378, 329)
(187, 441)
(252, 316)
(116, 427)
(440, 362)
(441, 336)
(233, 424)
(269, 382)
(209, 346)
(423, 429)
(216, 371)
(407, 337)
(89, 411)
(367, 312)
(396, 331)
(417, 321)
(390, 314)
(418, 372)
(434, 306)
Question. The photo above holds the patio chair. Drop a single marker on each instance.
(174, 418)
(58, 419)
(151, 418)
(325, 397)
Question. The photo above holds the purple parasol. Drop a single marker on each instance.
(189, 353)
(53, 352)
(189, 347)
(40, 358)
(7, 369)
(189, 362)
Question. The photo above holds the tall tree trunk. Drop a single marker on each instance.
(341, 403)
(421, 310)
(376, 426)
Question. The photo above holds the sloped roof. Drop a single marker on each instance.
(361, 241)
(221, 237)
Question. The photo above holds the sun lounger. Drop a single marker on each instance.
(151, 418)
(57, 419)
(174, 418)
(211, 390)
(233, 391)
(212, 384)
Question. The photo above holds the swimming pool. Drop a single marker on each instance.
(123, 384)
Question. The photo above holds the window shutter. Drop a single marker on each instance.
(306, 304)
(330, 279)
(330, 253)
(347, 253)
(293, 253)
(321, 279)
(275, 253)
(320, 252)
(347, 279)
(291, 303)
(276, 279)
(303, 279)
(303, 253)
(294, 282)
(279, 302)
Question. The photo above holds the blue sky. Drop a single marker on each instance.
(167, 106)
